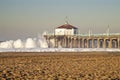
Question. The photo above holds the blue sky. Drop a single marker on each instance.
(27, 18)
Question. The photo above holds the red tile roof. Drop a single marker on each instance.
(67, 26)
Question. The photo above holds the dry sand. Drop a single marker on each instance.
(60, 66)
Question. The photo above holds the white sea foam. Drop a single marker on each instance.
(58, 50)
(18, 44)
(21, 44)
(30, 43)
(7, 44)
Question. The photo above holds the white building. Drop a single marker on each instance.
(66, 29)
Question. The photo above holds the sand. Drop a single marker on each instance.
(60, 66)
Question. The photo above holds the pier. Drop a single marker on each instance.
(67, 36)
(85, 41)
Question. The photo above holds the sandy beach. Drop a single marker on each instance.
(60, 66)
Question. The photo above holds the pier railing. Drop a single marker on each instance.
(81, 34)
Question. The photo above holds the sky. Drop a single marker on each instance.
(20, 19)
